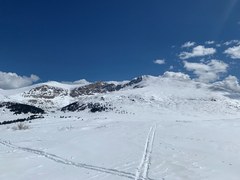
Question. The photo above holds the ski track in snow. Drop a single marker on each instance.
(142, 170)
(61, 160)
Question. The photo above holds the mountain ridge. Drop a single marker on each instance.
(171, 91)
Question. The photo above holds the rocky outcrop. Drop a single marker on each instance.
(133, 82)
(46, 92)
(102, 87)
(98, 87)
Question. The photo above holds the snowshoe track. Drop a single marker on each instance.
(61, 160)
(143, 169)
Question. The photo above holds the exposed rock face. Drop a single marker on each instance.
(133, 82)
(99, 87)
(46, 92)
(102, 87)
(93, 107)
(18, 108)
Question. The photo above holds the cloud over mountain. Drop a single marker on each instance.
(176, 75)
(9, 80)
(230, 83)
(207, 72)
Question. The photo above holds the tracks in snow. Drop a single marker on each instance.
(61, 160)
(142, 171)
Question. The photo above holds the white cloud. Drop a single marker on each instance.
(197, 51)
(171, 67)
(81, 81)
(159, 61)
(209, 42)
(176, 75)
(188, 44)
(230, 82)
(10, 80)
(235, 41)
(207, 72)
(233, 52)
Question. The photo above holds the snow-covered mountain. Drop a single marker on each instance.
(172, 91)
(54, 95)
(148, 128)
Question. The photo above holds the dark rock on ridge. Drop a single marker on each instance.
(18, 108)
(93, 107)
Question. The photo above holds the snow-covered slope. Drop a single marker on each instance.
(168, 94)
(149, 128)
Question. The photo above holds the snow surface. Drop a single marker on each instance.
(171, 128)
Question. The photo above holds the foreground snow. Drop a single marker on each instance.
(107, 146)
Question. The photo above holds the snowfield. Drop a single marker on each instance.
(172, 128)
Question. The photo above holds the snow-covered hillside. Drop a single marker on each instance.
(166, 127)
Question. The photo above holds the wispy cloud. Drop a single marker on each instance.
(209, 42)
(188, 44)
(208, 72)
(197, 51)
(159, 61)
(9, 80)
(231, 42)
(171, 67)
(233, 52)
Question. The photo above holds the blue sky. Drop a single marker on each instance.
(114, 39)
